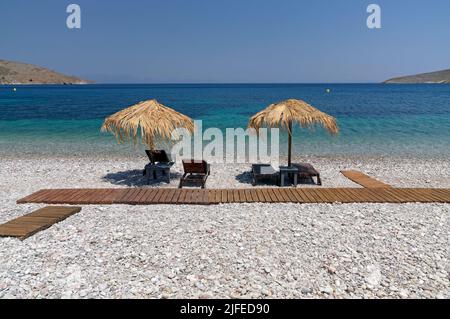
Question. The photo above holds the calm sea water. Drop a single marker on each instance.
(374, 119)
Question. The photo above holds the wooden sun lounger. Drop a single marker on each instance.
(195, 172)
(306, 171)
(159, 162)
(263, 171)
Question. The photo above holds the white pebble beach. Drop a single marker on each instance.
(226, 251)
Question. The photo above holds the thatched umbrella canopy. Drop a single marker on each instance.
(283, 114)
(155, 121)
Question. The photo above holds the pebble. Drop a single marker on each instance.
(232, 250)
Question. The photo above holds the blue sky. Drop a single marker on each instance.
(228, 41)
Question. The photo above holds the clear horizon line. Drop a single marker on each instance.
(233, 83)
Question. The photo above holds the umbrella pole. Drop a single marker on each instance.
(290, 145)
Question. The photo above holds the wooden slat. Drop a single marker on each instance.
(260, 195)
(224, 196)
(305, 196)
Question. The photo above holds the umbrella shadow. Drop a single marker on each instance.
(247, 178)
(133, 178)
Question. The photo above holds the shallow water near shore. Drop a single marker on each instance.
(375, 119)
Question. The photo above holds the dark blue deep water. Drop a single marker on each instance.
(374, 119)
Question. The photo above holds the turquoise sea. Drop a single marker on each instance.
(374, 119)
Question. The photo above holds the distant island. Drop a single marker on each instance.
(432, 77)
(23, 73)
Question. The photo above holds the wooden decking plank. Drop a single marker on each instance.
(428, 194)
(445, 197)
(61, 196)
(158, 196)
(188, 197)
(223, 196)
(181, 199)
(254, 195)
(405, 195)
(230, 196)
(273, 197)
(203, 197)
(170, 194)
(31, 197)
(86, 196)
(129, 196)
(301, 197)
(25, 226)
(265, 195)
(248, 196)
(150, 196)
(235, 196)
(64, 195)
(320, 195)
(215, 196)
(310, 194)
(367, 195)
(344, 197)
(176, 196)
(259, 195)
(400, 194)
(164, 197)
(334, 197)
(74, 198)
(51, 196)
(416, 196)
(196, 196)
(292, 196)
(364, 180)
(114, 195)
(360, 196)
(432, 194)
(99, 196)
(297, 196)
(202, 200)
(377, 195)
(394, 194)
(134, 199)
(241, 195)
(330, 198)
(38, 196)
(314, 195)
(305, 195)
(283, 194)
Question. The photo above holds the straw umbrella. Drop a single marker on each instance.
(155, 121)
(284, 114)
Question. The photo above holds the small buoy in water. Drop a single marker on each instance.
(328, 91)
(14, 89)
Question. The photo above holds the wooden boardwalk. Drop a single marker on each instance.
(364, 180)
(148, 196)
(28, 225)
